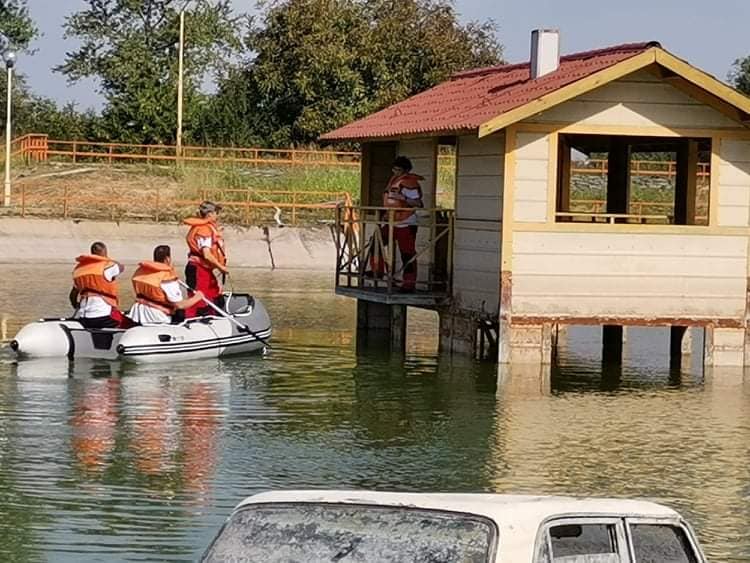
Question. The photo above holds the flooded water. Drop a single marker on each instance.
(104, 461)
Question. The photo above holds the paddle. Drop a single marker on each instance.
(243, 328)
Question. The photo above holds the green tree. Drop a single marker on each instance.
(130, 46)
(317, 64)
(17, 29)
(740, 75)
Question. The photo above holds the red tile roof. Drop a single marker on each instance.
(473, 97)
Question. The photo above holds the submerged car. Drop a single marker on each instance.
(358, 526)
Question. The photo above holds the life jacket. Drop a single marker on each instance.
(396, 186)
(88, 278)
(204, 228)
(147, 281)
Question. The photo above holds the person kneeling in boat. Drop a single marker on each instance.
(95, 292)
(206, 254)
(157, 291)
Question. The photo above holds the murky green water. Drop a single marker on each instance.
(109, 462)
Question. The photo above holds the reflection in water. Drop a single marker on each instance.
(109, 461)
(93, 424)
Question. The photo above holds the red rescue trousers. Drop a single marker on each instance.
(406, 239)
(201, 279)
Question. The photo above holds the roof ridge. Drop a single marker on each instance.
(636, 46)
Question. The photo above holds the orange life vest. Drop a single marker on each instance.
(147, 281)
(396, 186)
(88, 278)
(204, 228)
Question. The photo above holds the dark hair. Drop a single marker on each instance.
(162, 252)
(98, 248)
(403, 163)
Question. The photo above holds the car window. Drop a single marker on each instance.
(660, 543)
(352, 533)
(584, 542)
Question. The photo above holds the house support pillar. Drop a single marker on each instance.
(458, 334)
(724, 347)
(380, 325)
(525, 344)
(612, 340)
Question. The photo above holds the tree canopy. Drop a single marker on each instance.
(740, 74)
(17, 29)
(317, 64)
(130, 46)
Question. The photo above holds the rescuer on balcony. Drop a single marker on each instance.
(403, 193)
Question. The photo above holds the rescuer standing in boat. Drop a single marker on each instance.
(206, 254)
(404, 193)
(158, 295)
(95, 292)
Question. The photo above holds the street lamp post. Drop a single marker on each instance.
(179, 83)
(10, 59)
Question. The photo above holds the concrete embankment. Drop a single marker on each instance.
(43, 241)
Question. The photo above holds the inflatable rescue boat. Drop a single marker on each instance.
(248, 330)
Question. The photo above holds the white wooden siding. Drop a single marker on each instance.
(476, 256)
(734, 183)
(530, 183)
(629, 275)
(639, 99)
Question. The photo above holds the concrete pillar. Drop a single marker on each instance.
(612, 344)
(458, 334)
(724, 347)
(380, 325)
(526, 344)
(676, 337)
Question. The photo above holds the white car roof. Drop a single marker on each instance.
(518, 517)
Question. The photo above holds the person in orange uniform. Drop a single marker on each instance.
(157, 291)
(206, 254)
(95, 292)
(404, 193)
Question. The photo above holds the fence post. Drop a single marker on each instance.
(75, 150)
(109, 158)
(157, 203)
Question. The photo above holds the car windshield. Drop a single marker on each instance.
(351, 533)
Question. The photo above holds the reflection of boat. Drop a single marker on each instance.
(202, 337)
(375, 526)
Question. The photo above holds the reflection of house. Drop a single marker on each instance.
(523, 252)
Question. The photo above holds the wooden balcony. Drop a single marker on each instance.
(362, 236)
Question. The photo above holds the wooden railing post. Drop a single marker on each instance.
(294, 208)
(75, 150)
(109, 152)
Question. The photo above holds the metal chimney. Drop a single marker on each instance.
(545, 52)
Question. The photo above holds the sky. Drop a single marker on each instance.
(708, 35)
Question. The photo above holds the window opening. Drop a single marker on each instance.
(641, 180)
(658, 543)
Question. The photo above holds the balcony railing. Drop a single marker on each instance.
(362, 238)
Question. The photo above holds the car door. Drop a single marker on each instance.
(662, 541)
(583, 540)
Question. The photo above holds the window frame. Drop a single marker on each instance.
(674, 523)
(544, 538)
